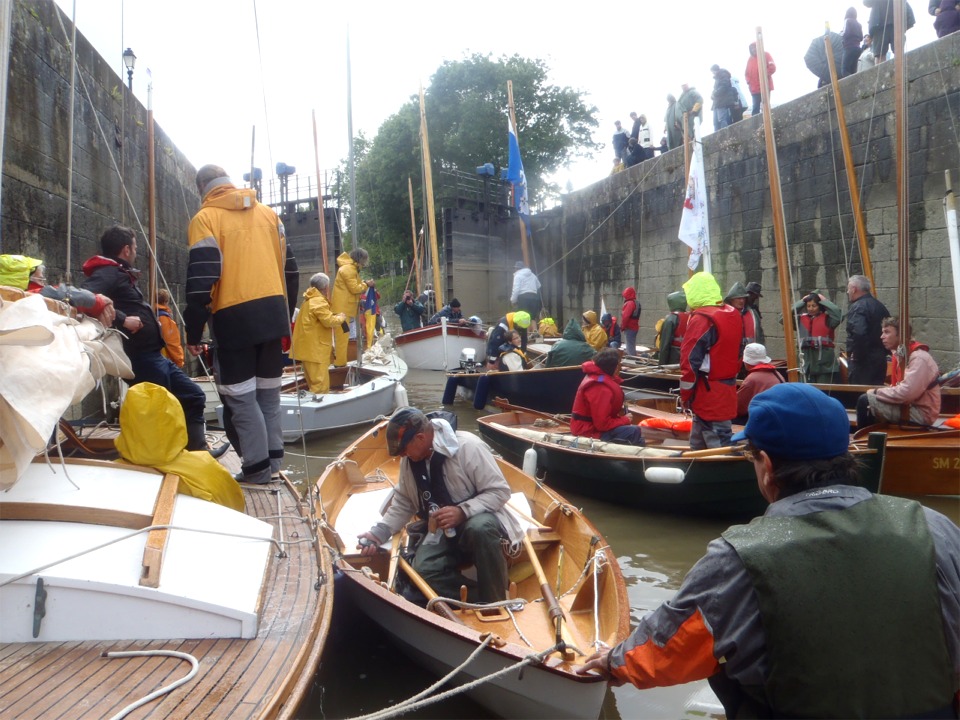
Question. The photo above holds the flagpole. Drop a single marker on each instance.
(523, 225)
(779, 223)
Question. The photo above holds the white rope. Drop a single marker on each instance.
(194, 668)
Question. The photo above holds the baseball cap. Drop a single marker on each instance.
(780, 420)
(521, 318)
(454, 303)
(403, 426)
(755, 353)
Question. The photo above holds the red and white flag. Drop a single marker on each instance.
(694, 221)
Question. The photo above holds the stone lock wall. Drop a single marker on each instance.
(623, 230)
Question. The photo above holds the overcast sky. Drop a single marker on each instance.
(221, 67)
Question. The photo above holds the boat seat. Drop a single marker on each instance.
(157, 539)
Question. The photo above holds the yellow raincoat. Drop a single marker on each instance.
(347, 289)
(153, 432)
(313, 339)
(594, 333)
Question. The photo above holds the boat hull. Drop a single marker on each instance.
(919, 461)
(433, 348)
(549, 390)
(309, 414)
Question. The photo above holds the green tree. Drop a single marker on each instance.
(466, 110)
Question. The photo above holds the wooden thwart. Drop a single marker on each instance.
(157, 539)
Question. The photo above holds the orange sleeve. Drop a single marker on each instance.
(687, 656)
(171, 338)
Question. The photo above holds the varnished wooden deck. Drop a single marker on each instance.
(261, 678)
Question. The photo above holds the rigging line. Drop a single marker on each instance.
(639, 185)
(836, 184)
(263, 87)
(946, 94)
(73, 97)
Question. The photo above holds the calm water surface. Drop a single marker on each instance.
(362, 672)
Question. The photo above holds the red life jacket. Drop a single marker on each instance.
(749, 321)
(714, 393)
(896, 371)
(682, 319)
(818, 333)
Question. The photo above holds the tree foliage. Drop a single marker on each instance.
(467, 113)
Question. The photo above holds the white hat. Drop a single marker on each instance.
(754, 354)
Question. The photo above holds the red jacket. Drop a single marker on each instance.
(627, 321)
(752, 72)
(760, 377)
(710, 361)
(598, 405)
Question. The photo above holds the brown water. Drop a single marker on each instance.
(361, 671)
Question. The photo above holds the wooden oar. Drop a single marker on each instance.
(553, 606)
(708, 452)
(424, 587)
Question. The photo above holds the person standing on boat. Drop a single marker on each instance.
(512, 356)
(866, 355)
(112, 274)
(450, 479)
(914, 395)
(598, 408)
(630, 319)
(673, 328)
(752, 306)
(737, 298)
(347, 290)
(312, 341)
(519, 321)
(173, 348)
(411, 311)
(525, 294)
(242, 281)
(762, 375)
(571, 349)
(816, 330)
(709, 363)
(835, 603)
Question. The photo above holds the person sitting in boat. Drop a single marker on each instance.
(593, 331)
(673, 328)
(761, 375)
(312, 342)
(519, 321)
(571, 349)
(27, 273)
(612, 328)
(816, 328)
(598, 408)
(548, 328)
(450, 479)
(511, 355)
(780, 614)
(451, 312)
(411, 312)
(915, 393)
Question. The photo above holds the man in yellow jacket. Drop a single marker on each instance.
(313, 334)
(347, 289)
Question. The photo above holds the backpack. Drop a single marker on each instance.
(636, 310)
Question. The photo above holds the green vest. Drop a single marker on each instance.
(851, 612)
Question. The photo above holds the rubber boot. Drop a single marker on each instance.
(196, 436)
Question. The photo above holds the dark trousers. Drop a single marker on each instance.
(871, 371)
(155, 368)
(478, 540)
(850, 57)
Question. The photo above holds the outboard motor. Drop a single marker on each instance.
(468, 360)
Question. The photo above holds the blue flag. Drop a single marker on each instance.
(517, 177)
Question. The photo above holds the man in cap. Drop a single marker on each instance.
(834, 603)
(737, 297)
(761, 375)
(525, 294)
(451, 312)
(452, 480)
(519, 321)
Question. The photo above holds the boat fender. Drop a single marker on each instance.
(664, 475)
(450, 391)
(400, 396)
(530, 462)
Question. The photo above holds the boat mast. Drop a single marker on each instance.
(431, 217)
(321, 205)
(151, 196)
(903, 176)
(413, 232)
(523, 225)
(856, 207)
(779, 224)
(6, 9)
(354, 224)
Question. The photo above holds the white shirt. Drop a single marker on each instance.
(524, 281)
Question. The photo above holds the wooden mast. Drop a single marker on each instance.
(779, 224)
(431, 217)
(413, 232)
(523, 226)
(321, 205)
(851, 170)
(151, 197)
(903, 177)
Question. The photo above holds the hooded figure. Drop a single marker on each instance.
(347, 289)
(571, 349)
(593, 331)
(313, 334)
(737, 297)
(153, 432)
(630, 319)
(673, 327)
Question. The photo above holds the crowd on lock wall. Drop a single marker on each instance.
(732, 102)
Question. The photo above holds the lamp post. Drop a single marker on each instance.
(129, 60)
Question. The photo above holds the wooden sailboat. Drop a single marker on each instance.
(564, 551)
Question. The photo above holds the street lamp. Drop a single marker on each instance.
(129, 59)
